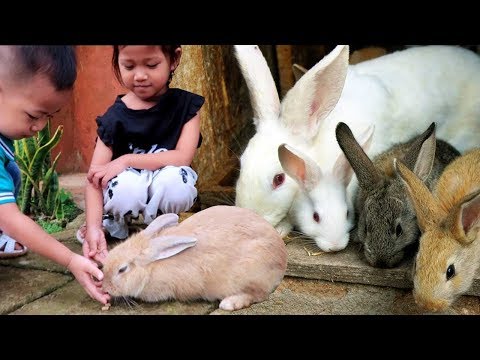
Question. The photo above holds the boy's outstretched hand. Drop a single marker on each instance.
(83, 269)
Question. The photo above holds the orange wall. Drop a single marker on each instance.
(95, 90)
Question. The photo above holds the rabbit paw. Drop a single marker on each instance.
(236, 302)
(284, 228)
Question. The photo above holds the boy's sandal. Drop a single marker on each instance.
(8, 245)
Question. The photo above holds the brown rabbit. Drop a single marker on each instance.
(225, 253)
(449, 252)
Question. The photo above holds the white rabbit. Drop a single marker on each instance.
(399, 94)
(321, 207)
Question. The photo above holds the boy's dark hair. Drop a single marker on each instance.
(58, 63)
(168, 50)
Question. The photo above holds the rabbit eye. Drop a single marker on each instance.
(278, 180)
(398, 230)
(122, 269)
(316, 217)
(450, 272)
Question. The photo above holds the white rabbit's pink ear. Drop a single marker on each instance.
(163, 247)
(159, 223)
(342, 169)
(365, 138)
(316, 94)
(300, 167)
(260, 83)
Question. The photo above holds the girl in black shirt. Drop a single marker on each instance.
(146, 142)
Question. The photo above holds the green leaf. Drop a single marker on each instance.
(41, 153)
(40, 195)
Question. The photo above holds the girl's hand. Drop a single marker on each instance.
(95, 245)
(100, 175)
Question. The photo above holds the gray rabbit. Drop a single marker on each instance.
(387, 226)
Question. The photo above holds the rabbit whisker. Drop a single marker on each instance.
(227, 199)
(309, 244)
(233, 152)
(125, 301)
(133, 302)
(313, 253)
(130, 302)
(303, 239)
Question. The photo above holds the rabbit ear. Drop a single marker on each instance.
(315, 94)
(260, 83)
(464, 219)
(159, 223)
(163, 247)
(426, 207)
(365, 139)
(368, 175)
(299, 166)
(298, 71)
(342, 168)
(421, 155)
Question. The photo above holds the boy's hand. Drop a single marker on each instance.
(95, 244)
(83, 269)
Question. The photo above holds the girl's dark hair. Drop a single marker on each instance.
(58, 63)
(168, 50)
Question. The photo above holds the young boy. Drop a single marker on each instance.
(35, 82)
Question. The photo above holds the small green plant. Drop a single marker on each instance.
(66, 212)
(40, 195)
(50, 226)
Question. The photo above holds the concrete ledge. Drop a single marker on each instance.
(297, 296)
(348, 266)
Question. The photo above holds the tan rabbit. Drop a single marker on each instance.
(449, 252)
(222, 253)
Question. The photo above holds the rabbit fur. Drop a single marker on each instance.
(396, 94)
(449, 251)
(321, 207)
(222, 253)
(386, 224)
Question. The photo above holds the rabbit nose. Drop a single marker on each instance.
(335, 247)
